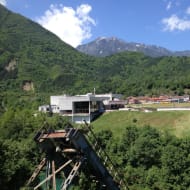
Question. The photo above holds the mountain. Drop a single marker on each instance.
(32, 58)
(34, 64)
(182, 53)
(102, 47)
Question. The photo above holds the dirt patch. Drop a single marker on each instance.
(28, 86)
(11, 66)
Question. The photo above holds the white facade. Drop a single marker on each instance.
(44, 108)
(80, 107)
(173, 109)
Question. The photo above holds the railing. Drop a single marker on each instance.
(106, 160)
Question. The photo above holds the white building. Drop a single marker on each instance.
(81, 107)
(44, 108)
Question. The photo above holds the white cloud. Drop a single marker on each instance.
(188, 11)
(72, 26)
(172, 4)
(3, 2)
(175, 23)
(169, 5)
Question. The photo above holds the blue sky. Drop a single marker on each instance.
(164, 23)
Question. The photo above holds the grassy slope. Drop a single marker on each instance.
(174, 122)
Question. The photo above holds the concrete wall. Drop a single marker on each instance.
(173, 109)
(80, 119)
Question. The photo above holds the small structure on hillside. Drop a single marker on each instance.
(44, 108)
(82, 107)
(156, 100)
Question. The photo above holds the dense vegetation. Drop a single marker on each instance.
(148, 158)
(31, 55)
(18, 153)
(34, 64)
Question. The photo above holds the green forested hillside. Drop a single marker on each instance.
(136, 74)
(31, 55)
(148, 159)
(35, 64)
(36, 54)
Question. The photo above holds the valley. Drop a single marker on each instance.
(151, 149)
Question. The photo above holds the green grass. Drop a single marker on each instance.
(174, 122)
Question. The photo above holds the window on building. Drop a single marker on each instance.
(81, 107)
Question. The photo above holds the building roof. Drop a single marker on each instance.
(86, 97)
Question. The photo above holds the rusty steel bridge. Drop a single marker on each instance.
(67, 151)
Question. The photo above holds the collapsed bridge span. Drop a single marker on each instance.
(68, 151)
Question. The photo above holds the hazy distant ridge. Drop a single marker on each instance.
(105, 46)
